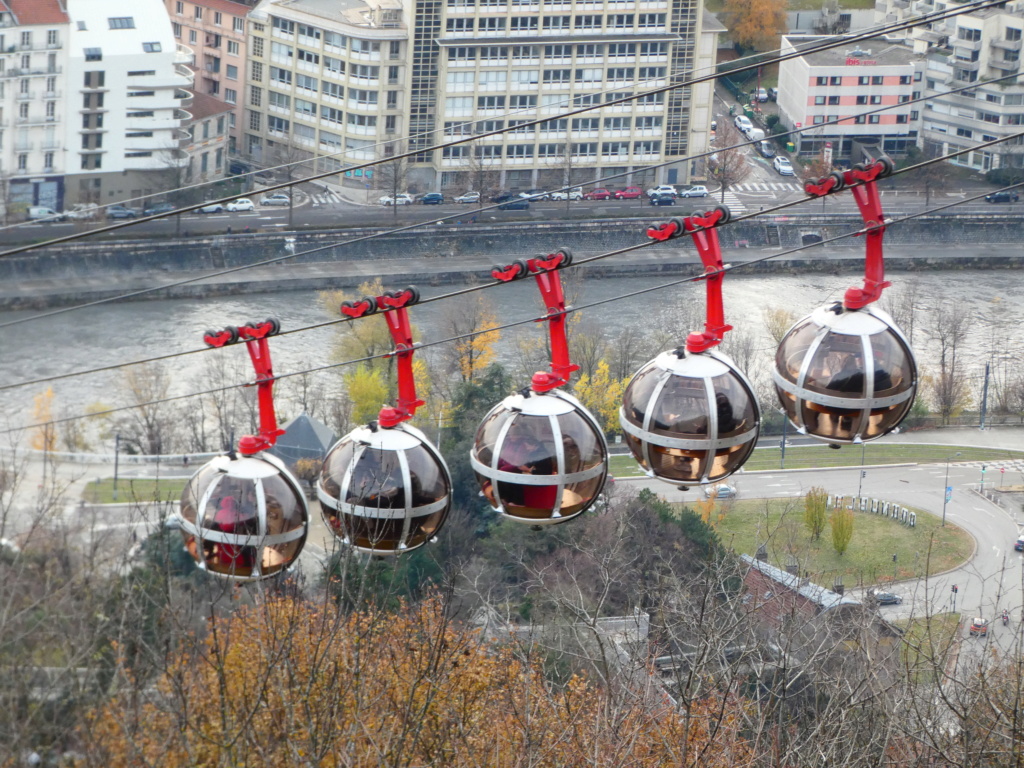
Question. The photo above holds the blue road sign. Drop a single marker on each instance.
(949, 492)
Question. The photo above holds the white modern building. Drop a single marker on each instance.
(977, 46)
(126, 101)
(346, 82)
(33, 61)
(847, 82)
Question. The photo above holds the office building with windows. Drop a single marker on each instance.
(215, 31)
(126, 101)
(846, 82)
(356, 81)
(33, 58)
(977, 46)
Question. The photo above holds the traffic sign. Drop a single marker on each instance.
(1002, 470)
(949, 492)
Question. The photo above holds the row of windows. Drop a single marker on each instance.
(863, 119)
(330, 64)
(578, 149)
(562, 51)
(529, 77)
(565, 24)
(861, 100)
(558, 125)
(211, 41)
(865, 80)
(52, 39)
(237, 22)
(547, 100)
(96, 54)
(277, 124)
(47, 162)
(500, 3)
(333, 39)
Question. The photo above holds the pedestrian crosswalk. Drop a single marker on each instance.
(733, 202)
(768, 186)
(328, 197)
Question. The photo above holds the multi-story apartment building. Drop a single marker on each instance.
(215, 31)
(976, 46)
(126, 97)
(843, 83)
(33, 57)
(209, 132)
(361, 81)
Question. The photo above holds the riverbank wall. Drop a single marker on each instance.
(446, 254)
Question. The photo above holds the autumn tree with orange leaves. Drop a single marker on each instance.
(288, 683)
(755, 24)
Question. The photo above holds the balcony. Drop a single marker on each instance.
(29, 96)
(969, 66)
(966, 45)
(24, 146)
(184, 98)
(1006, 45)
(184, 55)
(1005, 65)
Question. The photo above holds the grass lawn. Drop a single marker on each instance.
(135, 489)
(778, 523)
(807, 456)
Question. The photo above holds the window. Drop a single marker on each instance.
(559, 124)
(589, 75)
(151, 47)
(307, 82)
(1013, 34)
(901, 118)
(26, 39)
(334, 66)
(861, 100)
(519, 150)
(863, 80)
(139, 134)
(904, 79)
(585, 149)
(903, 99)
(459, 26)
(217, 18)
(620, 20)
(95, 79)
(859, 120)
(364, 72)
(305, 108)
(523, 78)
(179, 8)
(23, 110)
(277, 124)
(617, 123)
(556, 22)
(362, 121)
(255, 96)
(362, 97)
(331, 115)
(653, 49)
(877, 80)
(586, 123)
(821, 81)
(522, 102)
(988, 117)
(524, 24)
(279, 100)
(647, 148)
(965, 132)
(621, 49)
(281, 50)
(93, 54)
(237, 24)
(615, 148)
(257, 46)
(558, 51)
(966, 33)
(48, 161)
(833, 101)
(455, 153)
(141, 93)
(492, 25)
(230, 96)
(874, 119)
(549, 150)
(121, 22)
(232, 72)
(621, 73)
(330, 141)
(493, 80)
(458, 104)
(519, 126)
(648, 20)
(306, 30)
(557, 75)
(282, 25)
(278, 75)
(835, 80)
(490, 102)
(366, 46)
(651, 73)
(819, 119)
(588, 22)
(335, 39)
(176, 29)
(875, 100)
(332, 89)
(524, 52)
(232, 48)
(461, 53)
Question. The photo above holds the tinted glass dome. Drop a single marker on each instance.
(690, 420)
(540, 458)
(845, 376)
(384, 491)
(244, 518)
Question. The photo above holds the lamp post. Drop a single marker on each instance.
(948, 491)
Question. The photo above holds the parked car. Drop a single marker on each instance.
(159, 208)
(121, 212)
(278, 198)
(535, 194)
(402, 198)
(697, 190)
(432, 198)
(762, 94)
(662, 198)
(212, 208)
(571, 194)
(720, 491)
(1019, 546)
(754, 134)
(742, 122)
(629, 193)
(469, 197)
(40, 213)
(662, 189)
(1002, 197)
(597, 194)
(979, 627)
(765, 149)
(82, 212)
(773, 94)
(783, 166)
(509, 202)
(241, 204)
(885, 598)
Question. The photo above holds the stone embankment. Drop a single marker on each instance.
(439, 255)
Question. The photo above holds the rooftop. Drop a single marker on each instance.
(38, 11)
(357, 12)
(877, 50)
(204, 105)
(824, 598)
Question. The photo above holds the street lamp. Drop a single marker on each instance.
(949, 491)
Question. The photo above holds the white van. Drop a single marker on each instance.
(755, 134)
(37, 213)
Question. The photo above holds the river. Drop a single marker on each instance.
(116, 333)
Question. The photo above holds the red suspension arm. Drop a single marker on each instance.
(255, 336)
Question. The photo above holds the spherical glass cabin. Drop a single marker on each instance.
(845, 376)
(385, 491)
(691, 419)
(244, 518)
(540, 458)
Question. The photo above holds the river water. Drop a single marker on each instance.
(117, 333)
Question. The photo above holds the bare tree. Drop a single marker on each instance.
(392, 175)
(949, 328)
(729, 166)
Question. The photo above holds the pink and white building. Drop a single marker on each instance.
(849, 82)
